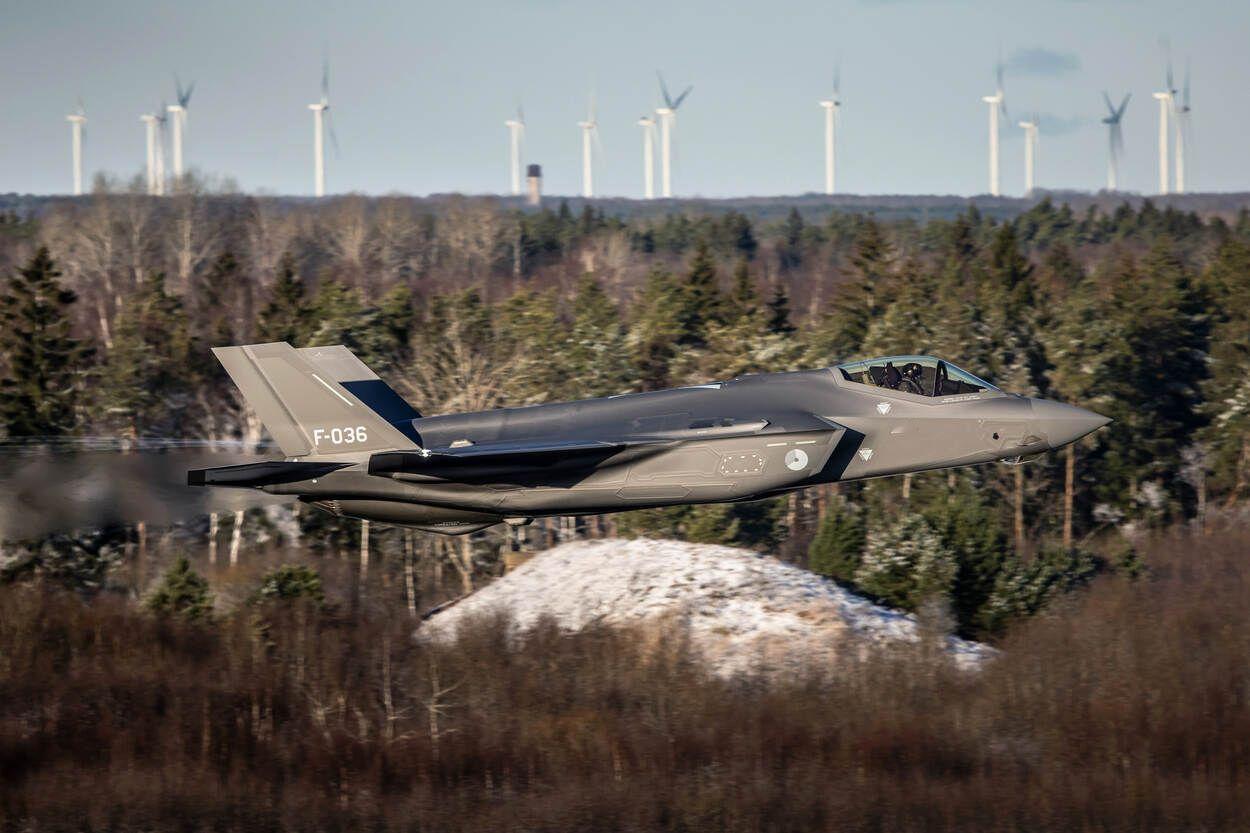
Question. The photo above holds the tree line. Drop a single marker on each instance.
(111, 305)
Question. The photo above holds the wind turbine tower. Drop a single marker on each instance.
(159, 172)
(997, 103)
(668, 119)
(1165, 105)
(516, 134)
(590, 136)
(1115, 139)
(321, 125)
(76, 122)
(1181, 113)
(831, 106)
(648, 156)
(1030, 153)
(178, 119)
(149, 122)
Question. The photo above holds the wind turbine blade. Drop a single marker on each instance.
(682, 97)
(837, 79)
(668, 99)
(1110, 106)
(334, 139)
(1185, 92)
(1123, 106)
(325, 79)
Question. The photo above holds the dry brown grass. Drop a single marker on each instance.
(1124, 708)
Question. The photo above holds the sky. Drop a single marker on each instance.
(420, 90)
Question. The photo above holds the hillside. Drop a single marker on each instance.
(741, 610)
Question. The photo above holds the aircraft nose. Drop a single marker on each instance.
(1062, 424)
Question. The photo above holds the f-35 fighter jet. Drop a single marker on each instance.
(356, 449)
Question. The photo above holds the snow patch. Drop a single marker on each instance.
(743, 611)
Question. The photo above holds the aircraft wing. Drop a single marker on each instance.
(506, 456)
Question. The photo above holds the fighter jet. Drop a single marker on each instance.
(353, 447)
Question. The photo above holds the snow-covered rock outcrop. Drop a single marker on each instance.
(742, 611)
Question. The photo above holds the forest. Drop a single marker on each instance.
(108, 308)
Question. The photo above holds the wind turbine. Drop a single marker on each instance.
(1115, 137)
(831, 106)
(590, 138)
(1181, 113)
(668, 118)
(1030, 152)
(76, 122)
(178, 117)
(320, 118)
(1167, 100)
(516, 135)
(648, 156)
(149, 120)
(997, 103)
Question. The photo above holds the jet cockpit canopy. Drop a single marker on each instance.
(918, 375)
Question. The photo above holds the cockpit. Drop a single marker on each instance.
(917, 375)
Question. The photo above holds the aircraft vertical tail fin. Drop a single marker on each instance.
(318, 400)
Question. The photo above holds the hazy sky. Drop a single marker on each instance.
(420, 90)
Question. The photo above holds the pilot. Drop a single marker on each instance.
(914, 376)
(892, 376)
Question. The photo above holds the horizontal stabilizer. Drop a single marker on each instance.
(266, 473)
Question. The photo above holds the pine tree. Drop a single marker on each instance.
(1024, 588)
(183, 593)
(286, 316)
(779, 311)
(597, 353)
(1227, 390)
(841, 334)
(289, 582)
(145, 384)
(744, 299)
(838, 548)
(906, 564)
(656, 329)
(748, 339)
(972, 532)
(701, 302)
(1151, 380)
(336, 313)
(39, 393)
(528, 323)
(792, 247)
(382, 334)
(909, 324)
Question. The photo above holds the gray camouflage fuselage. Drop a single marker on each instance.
(745, 439)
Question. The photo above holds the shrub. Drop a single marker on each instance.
(183, 593)
(291, 581)
(906, 563)
(838, 547)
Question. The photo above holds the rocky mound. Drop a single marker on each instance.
(743, 611)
